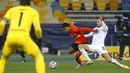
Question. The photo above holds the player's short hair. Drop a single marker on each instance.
(99, 18)
(25, 2)
(65, 25)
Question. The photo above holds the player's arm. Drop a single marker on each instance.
(37, 28)
(105, 27)
(75, 29)
(4, 21)
(87, 29)
(89, 35)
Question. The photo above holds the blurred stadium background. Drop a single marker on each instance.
(83, 13)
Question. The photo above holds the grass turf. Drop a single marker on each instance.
(66, 67)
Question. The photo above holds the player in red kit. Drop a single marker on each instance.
(79, 38)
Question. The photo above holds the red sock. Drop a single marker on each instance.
(79, 61)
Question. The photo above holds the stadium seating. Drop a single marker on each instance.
(42, 12)
(88, 4)
(76, 5)
(57, 13)
(3, 4)
(41, 4)
(42, 16)
(113, 4)
(2, 12)
(64, 3)
(62, 17)
(56, 6)
(101, 4)
(36, 2)
(67, 20)
(1, 0)
(126, 4)
(58, 9)
(94, 1)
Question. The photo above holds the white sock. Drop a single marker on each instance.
(84, 53)
(116, 62)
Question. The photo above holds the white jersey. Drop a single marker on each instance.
(99, 37)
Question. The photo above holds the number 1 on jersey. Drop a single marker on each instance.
(21, 15)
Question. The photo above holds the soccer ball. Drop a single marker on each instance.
(52, 65)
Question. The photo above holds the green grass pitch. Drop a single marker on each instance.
(65, 67)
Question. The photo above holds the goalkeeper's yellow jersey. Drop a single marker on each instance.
(22, 18)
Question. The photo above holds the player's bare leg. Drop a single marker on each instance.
(83, 49)
(6, 52)
(109, 59)
(76, 55)
(71, 51)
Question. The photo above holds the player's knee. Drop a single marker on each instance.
(71, 51)
(81, 46)
(77, 55)
(41, 57)
(6, 55)
(35, 55)
(38, 56)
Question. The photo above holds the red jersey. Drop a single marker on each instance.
(77, 34)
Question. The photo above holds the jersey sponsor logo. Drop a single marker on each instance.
(93, 55)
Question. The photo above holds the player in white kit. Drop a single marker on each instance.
(97, 44)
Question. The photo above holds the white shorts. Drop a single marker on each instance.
(96, 48)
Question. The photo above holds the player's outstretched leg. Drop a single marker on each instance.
(40, 65)
(5, 55)
(78, 60)
(83, 48)
(36, 54)
(76, 55)
(109, 59)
